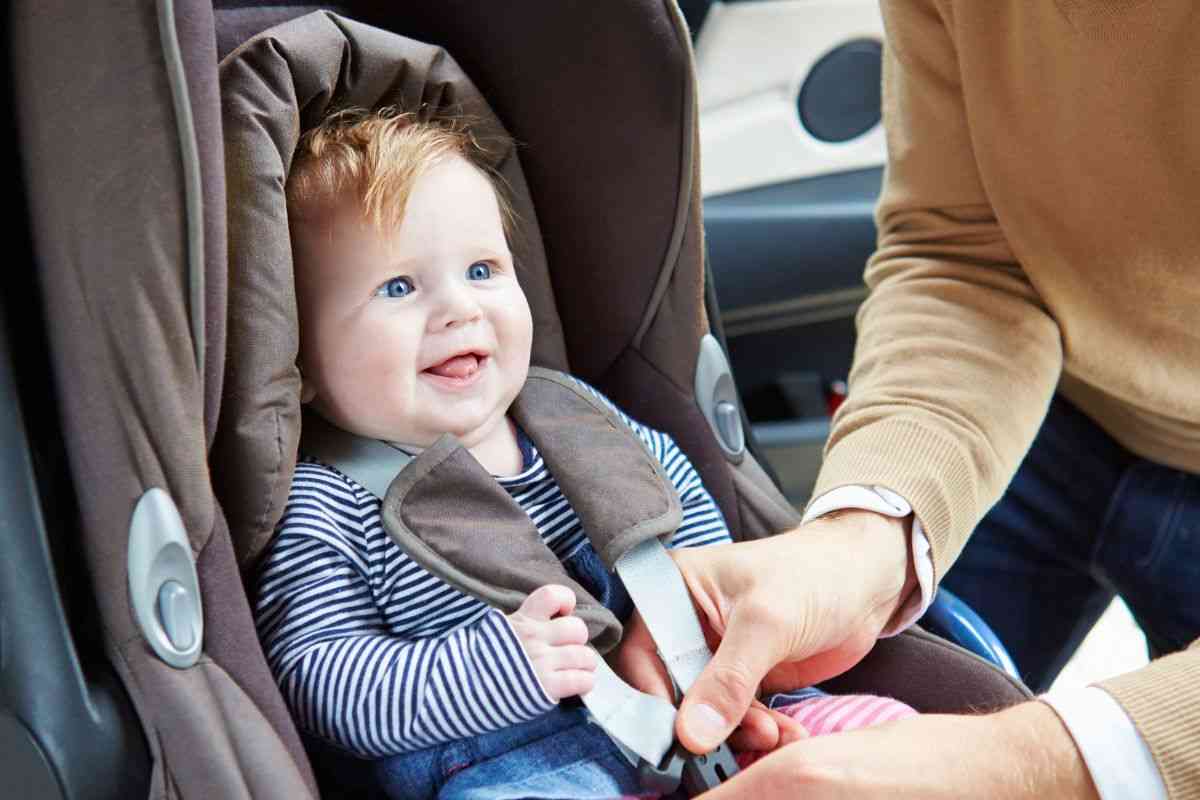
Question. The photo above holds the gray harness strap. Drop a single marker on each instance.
(370, 462)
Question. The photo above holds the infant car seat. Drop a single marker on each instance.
(170, 388)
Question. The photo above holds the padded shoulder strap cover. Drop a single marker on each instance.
(620, 491)
(456, 521)
(451, 517)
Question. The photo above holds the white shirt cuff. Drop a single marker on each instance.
(1115, 753)
(884, 501)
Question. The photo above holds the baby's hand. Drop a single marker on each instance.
(555, 641)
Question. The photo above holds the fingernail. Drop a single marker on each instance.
(705, 724)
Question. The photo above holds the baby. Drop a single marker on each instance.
(413, 325)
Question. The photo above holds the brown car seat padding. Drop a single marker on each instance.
(104, 148)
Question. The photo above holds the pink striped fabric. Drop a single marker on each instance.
(837, 713)
(822, 715)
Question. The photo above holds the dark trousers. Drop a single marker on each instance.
(1084, 519)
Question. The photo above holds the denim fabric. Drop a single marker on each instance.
(1084, 519)
(558, 755)
(796, 696)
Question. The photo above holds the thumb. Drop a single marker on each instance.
(547, 602)
(715, 704)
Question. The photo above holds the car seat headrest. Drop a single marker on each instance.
(274, 87)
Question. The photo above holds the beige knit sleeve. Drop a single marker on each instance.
(957, 358)
(1163, 700)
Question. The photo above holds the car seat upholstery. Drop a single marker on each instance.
(127, 209)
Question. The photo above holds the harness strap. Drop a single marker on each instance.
(661, 597)
(639, 722)
(370, 462)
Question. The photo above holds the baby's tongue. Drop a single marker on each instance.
(457, 367)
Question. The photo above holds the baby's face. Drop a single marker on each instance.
(408, 335)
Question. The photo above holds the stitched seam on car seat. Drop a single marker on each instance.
(684, 185)
(275, 472)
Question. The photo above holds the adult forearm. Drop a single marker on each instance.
(957, 355)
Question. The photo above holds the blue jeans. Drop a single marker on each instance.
(557, 755)
(1084, 519)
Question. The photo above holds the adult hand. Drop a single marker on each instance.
(788, 611)
(761, 729)
(1023, 752)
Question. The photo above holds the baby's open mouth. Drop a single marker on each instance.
(461, 366)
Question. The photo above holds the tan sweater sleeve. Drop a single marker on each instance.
(957, 357)
(1163, 700)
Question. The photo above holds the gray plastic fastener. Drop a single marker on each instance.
(729, 423)
(176, 613)
(716, 396)
(163, 588)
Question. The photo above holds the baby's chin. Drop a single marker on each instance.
(472, 435)
(415, 438)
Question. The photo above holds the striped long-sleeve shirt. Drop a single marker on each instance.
(379, 656)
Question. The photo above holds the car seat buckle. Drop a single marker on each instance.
(695, 774)
(704, 772)
(666, 776)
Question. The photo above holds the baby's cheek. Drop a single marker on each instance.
(514, 322)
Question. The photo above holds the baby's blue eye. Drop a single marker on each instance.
(479, 271)
(395, 287)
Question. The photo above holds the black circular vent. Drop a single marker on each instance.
(839, 99)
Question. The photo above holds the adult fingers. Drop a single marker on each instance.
(720, 697)
(789, 729)
(636, 660)
(547, 602)
(766, 729)
(759, 730)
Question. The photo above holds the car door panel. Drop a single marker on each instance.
(792, 162)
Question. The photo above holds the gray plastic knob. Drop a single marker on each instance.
(717, 398)
(729, 426)
(176, 613)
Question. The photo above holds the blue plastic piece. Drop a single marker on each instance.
(953, 619)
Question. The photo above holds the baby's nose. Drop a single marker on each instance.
(457, 306)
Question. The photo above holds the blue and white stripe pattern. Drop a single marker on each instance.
(380, 657)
